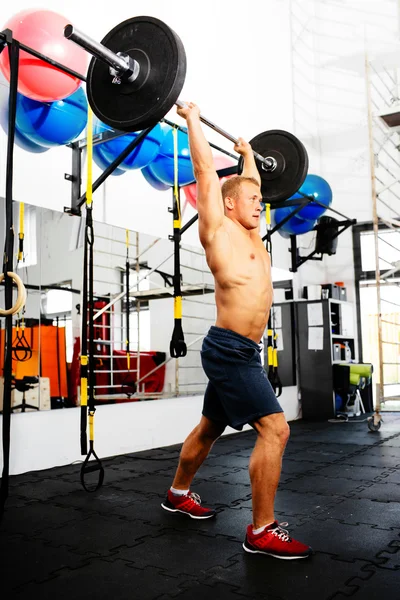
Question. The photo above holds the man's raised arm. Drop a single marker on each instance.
(209, 199)
(249, 162)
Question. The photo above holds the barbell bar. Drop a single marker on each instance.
(124, 68)
(135, 77)
(123, 65)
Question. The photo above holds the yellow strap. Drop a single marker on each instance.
(176, 180)
(89, 137)
(84, 383)
(268, 214)
(270, 360)
(269, 332)
(91, 426)
(178, 307)
(128, 359)
(84, 394)
(275, 360)
(21, 219)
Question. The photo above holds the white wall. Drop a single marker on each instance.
(46, 439)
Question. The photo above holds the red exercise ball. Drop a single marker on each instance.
(43, 31)
(221, 162)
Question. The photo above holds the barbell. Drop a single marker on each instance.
(135, 77)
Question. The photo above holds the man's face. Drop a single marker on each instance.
(248, 206)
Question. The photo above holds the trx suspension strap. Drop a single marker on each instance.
(60, 397)
(272, 349)
(21, 350)
(84, 353)
(21, 234)
(177, 347)
(128, 384)
(87, 359)
(13, 53)
(127, 267)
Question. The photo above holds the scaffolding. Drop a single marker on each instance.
(330, 103)
(383, 90)
(183, 376)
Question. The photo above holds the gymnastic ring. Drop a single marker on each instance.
(21, 297)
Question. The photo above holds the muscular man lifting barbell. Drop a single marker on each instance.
(238, 391)
(135, 77)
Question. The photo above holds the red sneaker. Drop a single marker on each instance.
(275, 541)
(188, 505)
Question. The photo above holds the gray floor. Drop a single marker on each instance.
(339, 492)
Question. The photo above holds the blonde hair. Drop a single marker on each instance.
(233, 186)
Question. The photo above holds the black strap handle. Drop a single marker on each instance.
(92, 466)
(177, 347)
(21, 349)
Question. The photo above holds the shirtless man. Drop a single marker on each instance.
(238, 391)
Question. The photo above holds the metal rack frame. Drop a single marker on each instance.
(382, 89)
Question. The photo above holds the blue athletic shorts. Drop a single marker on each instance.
(238, 390)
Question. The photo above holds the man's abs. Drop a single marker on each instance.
(243, 287)
(244, 310)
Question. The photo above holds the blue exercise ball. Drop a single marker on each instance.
(100, 160)
(284, 234)
(141, 156)
(52, 124)
(295, 225)
(25, 143)
(20, 140)
(318, 188)
(163, 165)
(152, 179)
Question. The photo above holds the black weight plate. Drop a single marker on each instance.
(144, 102)
(292, 164)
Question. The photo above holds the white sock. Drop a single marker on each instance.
(178, 492)
(260, 529)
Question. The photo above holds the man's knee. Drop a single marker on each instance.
(273, 427)
(210, 430)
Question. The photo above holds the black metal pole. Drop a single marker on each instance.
(298, 208)
(76, 180)
(13, 48)
(293, 251)
(115, 164)
(189, 223)
(7, 32)
(346, 224)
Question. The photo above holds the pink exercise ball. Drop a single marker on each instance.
(221, 162)
(43, 31)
